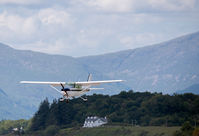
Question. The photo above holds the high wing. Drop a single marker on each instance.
(91, 83)
(86, 83)
(47, 83)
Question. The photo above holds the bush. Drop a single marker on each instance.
(51, 130)
(196, 132)
(186, 130)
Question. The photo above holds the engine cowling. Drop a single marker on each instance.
(65, 89)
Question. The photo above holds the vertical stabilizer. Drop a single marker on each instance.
(89, 77)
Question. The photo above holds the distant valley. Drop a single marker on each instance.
(166, 67)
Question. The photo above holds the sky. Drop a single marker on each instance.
(91, 27)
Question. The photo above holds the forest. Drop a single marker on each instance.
(139, 109)
(125, 108)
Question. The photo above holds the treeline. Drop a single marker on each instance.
(6, 126)
(139, 108)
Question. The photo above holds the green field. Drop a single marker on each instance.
(109, 131)
(119, 131)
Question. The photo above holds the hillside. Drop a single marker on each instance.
(140, 109)
(17, 65)
(166, 67)
(8, 107)
(107, 131)
(121, 130)
(144, 108)
(193, 89)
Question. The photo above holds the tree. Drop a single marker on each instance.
(39, 119)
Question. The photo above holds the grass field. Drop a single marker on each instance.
(119, 131)
(108, 131)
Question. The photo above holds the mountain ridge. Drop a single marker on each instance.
(2, 92)
(17, 65)
(164, 67)
(175, 50)
(181, 37)
(191, 89)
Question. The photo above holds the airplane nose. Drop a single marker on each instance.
(65, 89)
(63, 93)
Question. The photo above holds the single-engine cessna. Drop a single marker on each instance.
(76, 88)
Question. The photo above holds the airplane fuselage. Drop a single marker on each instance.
(74, 92)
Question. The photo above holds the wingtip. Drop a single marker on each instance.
(23, 82)
(121, 80)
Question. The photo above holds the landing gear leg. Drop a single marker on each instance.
(66, 97)
(84, 99)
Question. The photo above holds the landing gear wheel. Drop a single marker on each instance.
(61, 99)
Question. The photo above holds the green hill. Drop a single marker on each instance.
(146, 109)
(142, 110)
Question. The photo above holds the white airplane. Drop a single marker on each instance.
(77, 88)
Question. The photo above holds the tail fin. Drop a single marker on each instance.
(89, 77)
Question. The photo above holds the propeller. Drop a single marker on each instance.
(62, 87)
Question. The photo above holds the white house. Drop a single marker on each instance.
(95, 121)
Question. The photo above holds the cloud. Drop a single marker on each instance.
(46, 47)
(112, 5)
(89, 27)
(42, 22)
(51, 16)
(140, 5)
(15, 26)
(43, 31)
(21, 2)
(139, 40)
(172, 5)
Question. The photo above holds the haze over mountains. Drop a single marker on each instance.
(193, 89)
(165, 67)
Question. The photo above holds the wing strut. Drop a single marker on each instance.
(55, 89)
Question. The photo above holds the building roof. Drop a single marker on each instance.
(95, 118)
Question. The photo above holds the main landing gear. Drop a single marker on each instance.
(63, 99)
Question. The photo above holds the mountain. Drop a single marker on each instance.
(17, 65)
(8, 107)
(2, 93)
(191, 89)
(166, 67)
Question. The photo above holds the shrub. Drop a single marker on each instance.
(51, 130)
